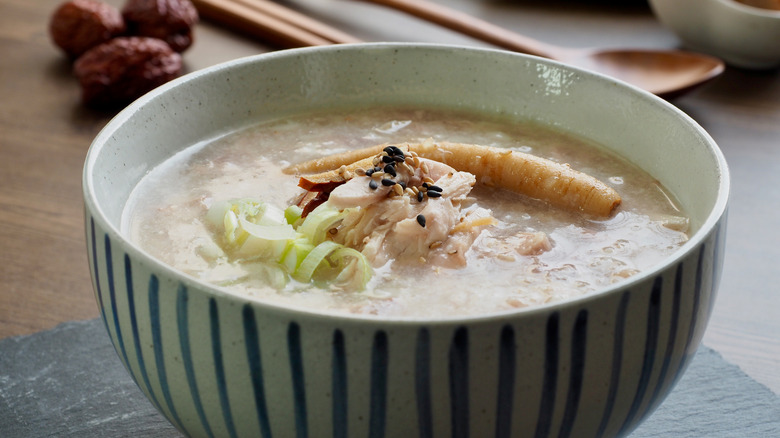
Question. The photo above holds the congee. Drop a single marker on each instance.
(404, 212)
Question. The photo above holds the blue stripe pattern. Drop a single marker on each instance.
(134, 329)
(550, 380)
(694, 312)
(219, 367)
(617, 361)
(670, 342)
(112, 299)
(579, 339)
(339, 386)
(506, 382)
(379, 358)
(96, 270)
(299, 389)
(422, 383)
(252, 345)
(459, 383)
(182, 321)
(651, 343)
(157, 344)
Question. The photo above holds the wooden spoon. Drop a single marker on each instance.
(666, 73)
(772, 5)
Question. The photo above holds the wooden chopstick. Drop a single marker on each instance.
(467, 25)
(300, 20)
(271, 22)
(288, 28)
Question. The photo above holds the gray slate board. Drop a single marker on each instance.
(69, 382)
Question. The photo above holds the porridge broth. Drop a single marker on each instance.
(166, 215)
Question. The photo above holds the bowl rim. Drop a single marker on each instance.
(93, 209)
(750, 10)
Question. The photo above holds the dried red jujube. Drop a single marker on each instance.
(78, 25)
(125, 68)
(168, 20)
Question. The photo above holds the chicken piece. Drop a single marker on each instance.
(532, 243)
(452, 252)
(393, 229)
(442, 216)
(357, 193)
(520, 244)
(455, 185)
(437, 170)
(365, 229)
(409, 239)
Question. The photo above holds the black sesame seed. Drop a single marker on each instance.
(425, 185)
(403, 184)
(420, 196)
(390, 170)
(373, 184)
(387, 182)
(377, 169)
(432, 194)
(387, 159)
(369, 172)
(434, 188)
(393, 150)
(421, 220)
(399, 158)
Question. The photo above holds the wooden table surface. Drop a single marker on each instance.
(45, 133)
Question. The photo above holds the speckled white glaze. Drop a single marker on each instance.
(741, 35)
(217, 364)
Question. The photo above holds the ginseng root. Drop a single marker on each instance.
(555, 183)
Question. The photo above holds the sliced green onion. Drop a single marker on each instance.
(264, 241)
(230, 222)
(257, 211)
(256, 230)
(354, 271)
(335, 264)
(292, 214)
(295, 253)
(305, 271)
(269, 232)
(216, 214)
(317, 223)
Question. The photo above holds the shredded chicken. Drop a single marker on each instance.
(390, 230)
(389, 222)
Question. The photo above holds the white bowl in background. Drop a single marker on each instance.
(743, 36)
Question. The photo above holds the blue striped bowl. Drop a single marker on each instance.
(217, 364)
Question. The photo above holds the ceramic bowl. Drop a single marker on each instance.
(219, 364)
(742, 35)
